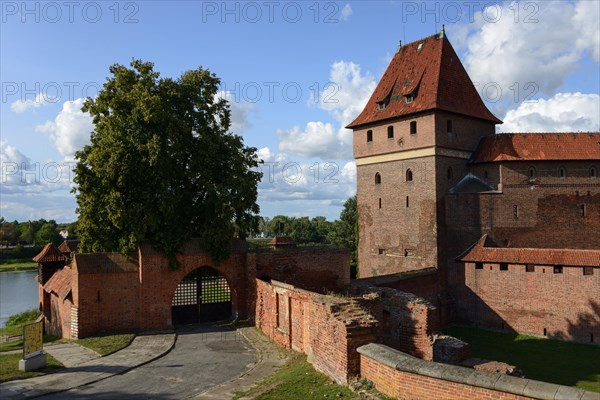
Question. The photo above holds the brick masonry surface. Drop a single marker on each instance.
(562, 305)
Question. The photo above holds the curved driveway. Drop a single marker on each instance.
(204, 356)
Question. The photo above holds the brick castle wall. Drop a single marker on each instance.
(541, 303)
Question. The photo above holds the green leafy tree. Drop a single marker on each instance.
(48, 233)
(344, 232)
(162, 165)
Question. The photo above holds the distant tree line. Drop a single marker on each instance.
(304, 230)
(35, 233)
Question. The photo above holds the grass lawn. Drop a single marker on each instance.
(298, 380)
(9, 367)
(564, 363)
(18, 344)
(105, 344)
(14, 324)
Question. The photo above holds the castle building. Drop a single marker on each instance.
(434, 179)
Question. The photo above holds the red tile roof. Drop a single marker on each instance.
(438, 76)
(282, 241)
(49, 254)
(97, 263)
(69, 246)
(569, 257)
(537, 147)
(60, 283)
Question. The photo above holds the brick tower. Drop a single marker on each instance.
(411, 144)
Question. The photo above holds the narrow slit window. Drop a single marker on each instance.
(409, 175)
(377, 178)
(450, 173)
(593, 172)
(407, 202)
(449, 126)
(515, 211)
(562, 172)
(531, 173)
(380, 202)
(369, 136)
(413, 127)
(581, 210)
(390, 131)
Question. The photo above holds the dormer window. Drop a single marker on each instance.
(409, 98)
(381, 106)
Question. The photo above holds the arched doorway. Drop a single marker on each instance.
(202, 296)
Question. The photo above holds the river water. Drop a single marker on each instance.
(18, 292)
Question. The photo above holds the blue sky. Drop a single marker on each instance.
(295, 73)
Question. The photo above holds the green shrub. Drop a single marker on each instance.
(22, 318)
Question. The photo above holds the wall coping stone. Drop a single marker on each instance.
(489, 380)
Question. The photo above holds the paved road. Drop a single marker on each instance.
(203, 357)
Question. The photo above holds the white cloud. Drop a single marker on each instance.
(313, 183)
(343, 98)
(70, 130)
(239, 112)
(22, 105)
(346, 12)
(564, 112)
(544, 45)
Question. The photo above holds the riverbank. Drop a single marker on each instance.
(19, 266)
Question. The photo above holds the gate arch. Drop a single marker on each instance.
(203, 295)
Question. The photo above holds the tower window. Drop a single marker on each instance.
(449, 126)
(593, 172)
(369, 135)
(450, 173)
(562, 172)
(407, 204)
(529, 268)
(413, 127)
(409, 175)
(558, 269)
(485, 174)
(588, 270)
(531, 173)
(503, 266)
(377, 178)
(390, 132)
(478, 265)
(516, 211)
(380, 202)
(581, 210)
(381, 252)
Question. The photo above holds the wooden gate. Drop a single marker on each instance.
(202, 296)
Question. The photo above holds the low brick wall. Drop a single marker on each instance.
(327, 328)
(400, 375)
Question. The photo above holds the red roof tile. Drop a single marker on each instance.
(49, 254)
(538, 146)
(97, 263)
(437, 75)
(570, 257)
(60, 283)
(282, 241)
(69, 246)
